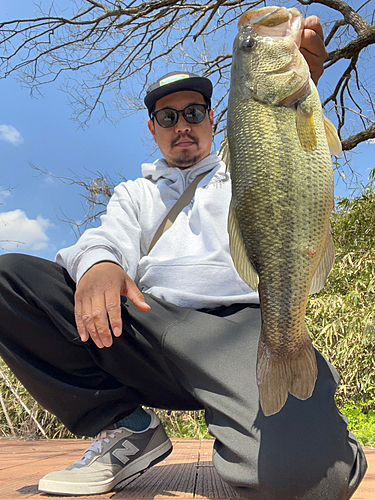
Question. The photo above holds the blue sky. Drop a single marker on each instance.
(50, 140)
(41, 131)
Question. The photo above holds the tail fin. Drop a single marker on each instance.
(277, 375)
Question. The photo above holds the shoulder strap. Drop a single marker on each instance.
(181, 203)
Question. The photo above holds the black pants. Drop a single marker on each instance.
(176, 358)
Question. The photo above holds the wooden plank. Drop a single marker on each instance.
(187, 473)
(206, 450)
(184, 451)
(17, 453)
(39, 464)
(366, 490)
(210, 485)
(175, 476)
(19, 479)
(170, 480)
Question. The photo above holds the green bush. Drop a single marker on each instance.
(341, 318)
(361, 422)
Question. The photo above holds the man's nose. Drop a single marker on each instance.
(182, 125)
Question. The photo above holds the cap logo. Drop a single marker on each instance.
(173, 78)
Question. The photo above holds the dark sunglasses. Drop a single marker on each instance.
(168, 117)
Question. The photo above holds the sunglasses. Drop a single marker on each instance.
(168, 117)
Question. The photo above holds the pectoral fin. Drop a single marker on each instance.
(325, 265)
(306, 128)
(238, 252)
(333, 138)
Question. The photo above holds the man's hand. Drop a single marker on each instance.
(312, 46)
(97, 299)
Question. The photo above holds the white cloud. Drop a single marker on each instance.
(4, 193)
(49, 180)
(17, 230)
(10, 134)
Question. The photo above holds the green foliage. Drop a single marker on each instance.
(341, 318)
(180, 424)
(361, 422)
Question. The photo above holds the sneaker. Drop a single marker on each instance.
(115, 455)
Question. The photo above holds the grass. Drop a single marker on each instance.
(184, 424)
(361, 424)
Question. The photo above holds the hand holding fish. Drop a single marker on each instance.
(312, 46)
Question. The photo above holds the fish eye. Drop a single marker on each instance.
(248, 43)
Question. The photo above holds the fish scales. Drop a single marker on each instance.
(282, 197)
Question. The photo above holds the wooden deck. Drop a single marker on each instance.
(187, 473)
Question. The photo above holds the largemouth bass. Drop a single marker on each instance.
(282, 194)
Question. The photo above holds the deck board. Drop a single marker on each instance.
(187, 473)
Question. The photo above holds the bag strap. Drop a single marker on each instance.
(181, 203)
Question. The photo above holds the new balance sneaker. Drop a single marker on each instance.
(115, 455)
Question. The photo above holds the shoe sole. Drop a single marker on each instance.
(138, 466)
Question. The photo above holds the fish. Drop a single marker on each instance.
(278, 151)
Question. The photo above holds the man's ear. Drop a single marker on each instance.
(211, 116)
(151, 128)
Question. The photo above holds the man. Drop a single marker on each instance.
(184, 334)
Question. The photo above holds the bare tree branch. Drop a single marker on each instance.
(354, 47)
(98, 49)
(353, 141)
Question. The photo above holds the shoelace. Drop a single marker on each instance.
(97, 444)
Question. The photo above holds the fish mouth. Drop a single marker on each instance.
(274, 22)
(266, 16)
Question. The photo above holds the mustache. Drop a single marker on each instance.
(181, 136)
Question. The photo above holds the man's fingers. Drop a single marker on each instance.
(113, 307)
(312, 43)
(132, 292)
(315, 65)
(92, 315)
(312, 46)
(82, 332)
(313, 23)
(98, 302)
(100, 331)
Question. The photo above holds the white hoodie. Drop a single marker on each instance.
(190, 265)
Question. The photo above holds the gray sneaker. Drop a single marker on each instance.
(115, 455)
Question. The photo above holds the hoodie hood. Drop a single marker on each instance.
(160, 169)
(190, 265)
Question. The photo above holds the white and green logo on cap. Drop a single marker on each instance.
(173, 78)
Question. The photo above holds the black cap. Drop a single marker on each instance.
(175, 82)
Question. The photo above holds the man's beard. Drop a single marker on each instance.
(186, 159)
